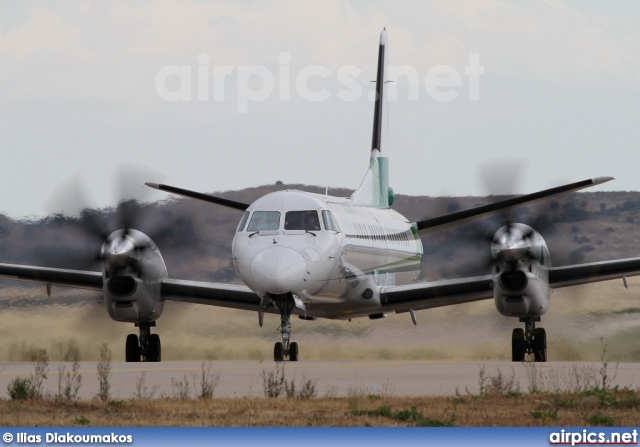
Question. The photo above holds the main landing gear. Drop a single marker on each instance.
(146, 348)
(530, 341)
(285, 350)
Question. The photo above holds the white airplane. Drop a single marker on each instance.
(317, 256)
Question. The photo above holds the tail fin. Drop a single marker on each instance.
(374, 189)
(380, 114)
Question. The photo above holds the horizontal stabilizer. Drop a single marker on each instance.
(200, 196)
(425, 227)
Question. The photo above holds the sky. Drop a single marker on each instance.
(86, 87)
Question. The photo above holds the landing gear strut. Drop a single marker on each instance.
(285, 350)
(146, 348)
(529, 341)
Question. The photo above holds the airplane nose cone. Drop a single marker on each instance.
(278, 270)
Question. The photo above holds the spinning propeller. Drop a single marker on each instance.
(506, 236)
(511, 232)
(109, 236)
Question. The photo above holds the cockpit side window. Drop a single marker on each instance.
(243, 221)
(264, 221)
(329, 223)
(302, 220)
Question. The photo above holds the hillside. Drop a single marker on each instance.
(195, 238)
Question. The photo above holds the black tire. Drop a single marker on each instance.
(540, 345)
(517, 345)
(154, 350)
(132, 349)
(293, 352)
(278, 352)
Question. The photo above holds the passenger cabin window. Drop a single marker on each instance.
(264, 221)
(243, 221)
(329, 223)
(302, 220)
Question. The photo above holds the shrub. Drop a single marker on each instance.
(104, 372)
(20, 389)
(208, 381)
(69, 383)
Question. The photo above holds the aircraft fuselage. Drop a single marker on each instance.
(329, 252)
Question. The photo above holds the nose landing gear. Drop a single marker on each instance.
(531, 340)
(280, 355)
(285, 350)
(146, 347)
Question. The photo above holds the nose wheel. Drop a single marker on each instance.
(146, 348)
(531, 340)
(286, 349)
(279, 352)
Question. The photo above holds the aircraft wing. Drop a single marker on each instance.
(52, 276)
(199, 196)
(397, 299)
(224, 295)
(432, 294)
(428, 226)
(572, 275)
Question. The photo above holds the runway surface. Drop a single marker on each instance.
(245, 378)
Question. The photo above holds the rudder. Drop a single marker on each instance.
(374, 189)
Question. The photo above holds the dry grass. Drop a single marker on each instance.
(578, 318)
(618, 408)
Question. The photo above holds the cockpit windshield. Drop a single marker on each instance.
(329, 223)
(264, 221)
(302, 220)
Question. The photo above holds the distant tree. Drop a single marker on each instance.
(56, 220)
(227, 274)
(184, 232)
(577, 255)
(543, 224)
(519, 213)
(573, 214)
(581, 239)
(452, 207)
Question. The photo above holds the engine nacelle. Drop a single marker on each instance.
(521, 271)
(133, 269)
(520, 293)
